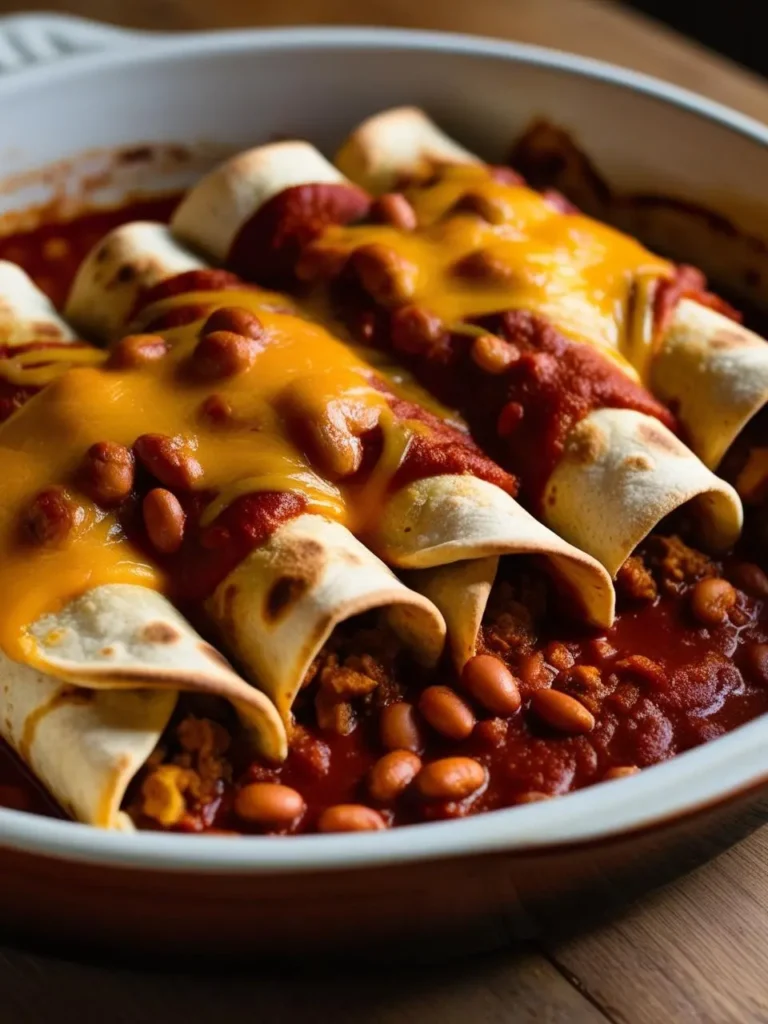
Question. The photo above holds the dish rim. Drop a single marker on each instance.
(710, 775)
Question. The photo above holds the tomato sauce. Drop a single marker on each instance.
(268, 245)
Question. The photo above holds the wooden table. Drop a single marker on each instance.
(696, 951)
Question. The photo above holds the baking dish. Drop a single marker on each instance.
(482, 878)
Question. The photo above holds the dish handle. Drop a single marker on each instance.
(27, 40)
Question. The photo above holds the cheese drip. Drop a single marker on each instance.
(579, 274)
(301, 373)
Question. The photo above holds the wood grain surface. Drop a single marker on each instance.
(695, 951)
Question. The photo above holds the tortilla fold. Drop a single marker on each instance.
(396, 145)
(26, 314)
(715, 372)
(119, 269)
(101, 680)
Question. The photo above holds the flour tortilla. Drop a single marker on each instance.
(278, 608)
(715, 372)
(118, 271)
(26, 314)
(101, 679)
(396, 145)
(212, 214)
(87, 744)
(449, 524)
(621, 474)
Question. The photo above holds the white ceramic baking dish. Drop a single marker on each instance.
(69, 87)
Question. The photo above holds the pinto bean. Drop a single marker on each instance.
(269, 804)
(490, 682)
(711, 600)
(166, 459)
(216, 409)
(533, 796)
(164, 520)
(399, 728)
(393, 208)
(621, 772)
(392, 774)
(492, 354)
(235, 320)
(53, 517)
(488, 208)
(320, 261)
(450, 778)
(416, 331)
(225, 354)
(562, 712)
(136, 350)
(107, 473)
(446, 712)
(350, 818)
(484, 265)
(388, 277)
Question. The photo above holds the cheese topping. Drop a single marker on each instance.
(295, 416)
(578, 273)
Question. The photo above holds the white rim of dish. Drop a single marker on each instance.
(712, 774)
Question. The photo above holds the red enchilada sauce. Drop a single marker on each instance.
(686, 661)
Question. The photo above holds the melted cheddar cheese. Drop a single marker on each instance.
(300, 371)
(589, 280)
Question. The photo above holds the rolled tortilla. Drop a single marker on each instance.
(278, 607)
(120, 269)
(26, 314)
(84, 745)
(210, 218)
(285, 185)
(644, 471)
(101, 676)
(102, 679)
(401, 144)
(713, 371)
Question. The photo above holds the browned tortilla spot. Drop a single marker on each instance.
(125, 274)
(586, 443)
(351, 558)
(107, 652)
(728, 339)
(638, 461)
(284, 593)
(655, 437)
(159, 633)
(213, 655)
(305, 560)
